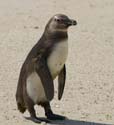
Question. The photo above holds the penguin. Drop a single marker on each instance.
(44, 63)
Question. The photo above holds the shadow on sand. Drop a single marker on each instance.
(70, 122)
(75, 122)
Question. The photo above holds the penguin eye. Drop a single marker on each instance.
(58, 20)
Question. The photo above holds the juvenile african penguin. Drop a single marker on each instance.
(43, 64)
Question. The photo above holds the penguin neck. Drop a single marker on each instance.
(55, 35)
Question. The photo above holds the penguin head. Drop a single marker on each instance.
(60, 22)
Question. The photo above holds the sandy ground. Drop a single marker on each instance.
(89, 91)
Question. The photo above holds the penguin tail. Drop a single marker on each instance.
(20, 103)
(21, 108)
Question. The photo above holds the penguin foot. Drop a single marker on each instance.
(38, 120)
(52, 116)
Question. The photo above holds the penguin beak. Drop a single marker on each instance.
(72, 22)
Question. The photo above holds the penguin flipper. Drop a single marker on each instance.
(61, 82)
(46, 78)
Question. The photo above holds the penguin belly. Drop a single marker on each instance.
(35, 88)
(55, 62)
(57, 58)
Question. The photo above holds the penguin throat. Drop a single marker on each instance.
(59, 34)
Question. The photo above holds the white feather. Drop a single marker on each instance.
(58, 57)
(35, 89)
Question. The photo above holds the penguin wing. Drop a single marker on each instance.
(61, 82)
(46, 78)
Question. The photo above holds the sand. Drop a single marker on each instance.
(89, 90)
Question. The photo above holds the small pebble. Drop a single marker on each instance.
(36, 27)
(57, 106)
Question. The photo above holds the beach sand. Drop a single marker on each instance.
(89, 90)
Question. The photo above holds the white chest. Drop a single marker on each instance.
(58, 57)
